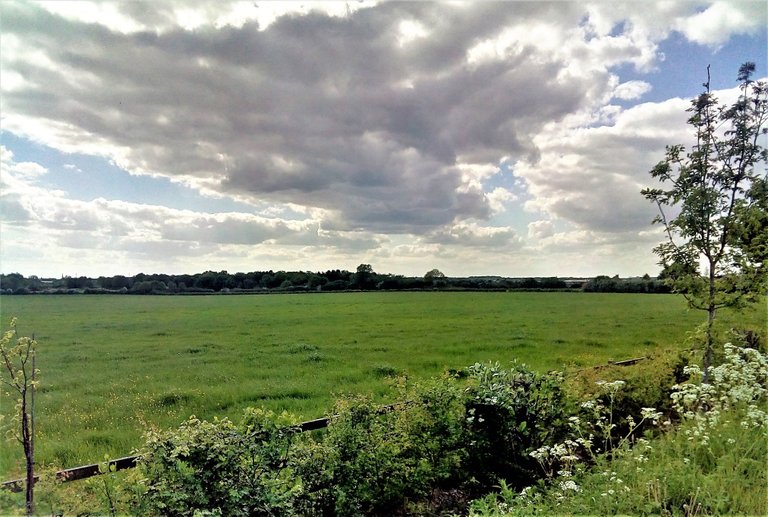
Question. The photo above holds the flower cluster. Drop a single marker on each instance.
(596, 424)
(741, 381)
(600, 433)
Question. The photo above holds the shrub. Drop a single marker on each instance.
(372, 461)
(647, 384)
(510, 413)
(712, 464)
(219, 467)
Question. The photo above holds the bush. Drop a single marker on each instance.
(511, 413)
(373, 462)
(647, 384)
(712, 464)
(219, 467)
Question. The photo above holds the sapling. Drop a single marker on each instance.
(715, 248)
(20, 382)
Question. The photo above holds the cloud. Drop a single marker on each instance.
(354, 131)
(539, 229)
(591, 176)
(22, 171)
(335, 112)
(161, 232)
(474, 236)
(631, 90)
(714, 25)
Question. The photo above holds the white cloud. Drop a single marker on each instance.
(24, 171)
(591, 176)
(140, 15)
(540, 229)
(473, 235)
(631, 90)
(355, 130)
(718, 22)
(499, 198)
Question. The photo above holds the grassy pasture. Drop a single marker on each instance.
(113, 365)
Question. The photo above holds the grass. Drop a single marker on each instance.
(114, 365)
(713, 462)
(669, 475)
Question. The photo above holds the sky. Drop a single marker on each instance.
(479, 138)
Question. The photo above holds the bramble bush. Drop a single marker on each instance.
(374, 462)
(368, 461)
(219, 467)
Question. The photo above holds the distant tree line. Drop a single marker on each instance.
(364, 278)
(644, 284)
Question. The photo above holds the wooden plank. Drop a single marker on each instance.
(75, 473)
(628, 362)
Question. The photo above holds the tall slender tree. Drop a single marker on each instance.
(717, 191)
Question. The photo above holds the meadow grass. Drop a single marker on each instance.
(114, 365)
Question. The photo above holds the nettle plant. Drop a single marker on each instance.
(511, 412)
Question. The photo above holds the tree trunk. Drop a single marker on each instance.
(708, 351)
(29, 456)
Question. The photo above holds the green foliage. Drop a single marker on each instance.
(647, 384)
(219, 467)
(719, 196)
(216, 355)
(19, 380)
(751, 234)
(512, 412)
(666, 476)
(372, 461)
(712, 464)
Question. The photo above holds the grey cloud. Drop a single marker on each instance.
(313, 110)
(12, 211)
(229, 230)
(160, 250)
(245, 230)
(613, 212)
(475, 237)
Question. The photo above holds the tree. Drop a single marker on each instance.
(364, 276)
(11, 281)
(18, 356)
(435, 277)
(713, 188)
(752, 230)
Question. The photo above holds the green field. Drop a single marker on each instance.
(113, 365)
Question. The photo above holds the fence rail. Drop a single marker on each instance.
(129, 462)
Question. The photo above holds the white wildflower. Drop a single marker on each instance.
(569, 485)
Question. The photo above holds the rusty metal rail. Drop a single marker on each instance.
(129, 462)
